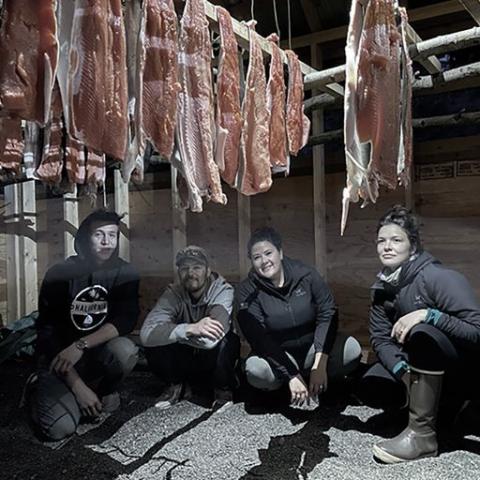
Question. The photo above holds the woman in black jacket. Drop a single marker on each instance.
(424, 323)
(288, 315)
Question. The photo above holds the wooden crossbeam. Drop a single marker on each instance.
(432, 64)
(414, 15)
(242, 35)
(461, 118)
(473, 8)
(418, 51)
(428, 82)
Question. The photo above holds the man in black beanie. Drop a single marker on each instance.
(87, 304)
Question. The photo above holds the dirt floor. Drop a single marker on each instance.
(244, 440)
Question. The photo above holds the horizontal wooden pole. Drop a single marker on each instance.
(461, 118)
(420, 50)
(242, 35)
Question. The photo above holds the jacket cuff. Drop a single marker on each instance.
(400, 368)
(433, 316)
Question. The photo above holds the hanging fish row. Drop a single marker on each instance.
(93, 81)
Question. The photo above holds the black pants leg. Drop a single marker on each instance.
(171, 363)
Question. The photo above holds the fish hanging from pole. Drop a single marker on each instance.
(378, 85)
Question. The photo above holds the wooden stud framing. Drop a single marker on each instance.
(473, 7)
(70, 219)
(432, 64)
(12, 219)
(21, 229)
(319, 202)
(244, 230)
(122, 207)
(179, 218)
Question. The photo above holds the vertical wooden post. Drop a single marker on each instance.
(70, 218)
(179, 218)
(319, 196)
(12, 213)
(28, 247)
(244, 230)
(122, 207)
(21, 228)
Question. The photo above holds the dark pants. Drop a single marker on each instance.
(429, 349)
(54, 410)
(177, 363)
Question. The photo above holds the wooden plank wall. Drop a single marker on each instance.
(449, 210)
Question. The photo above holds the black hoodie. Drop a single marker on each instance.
(78, 296)
(290, 318)
(423, 284)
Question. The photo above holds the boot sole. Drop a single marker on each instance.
(386, 457)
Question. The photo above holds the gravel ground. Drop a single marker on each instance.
(239, 441)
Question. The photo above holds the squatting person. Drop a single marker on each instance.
(87, 304)
(287, 314)
(188, 333)
(424, 328)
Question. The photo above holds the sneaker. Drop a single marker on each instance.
(170, 396)
(110, 402)
(222, 396)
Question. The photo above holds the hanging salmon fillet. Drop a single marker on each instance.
(195, 122)
(298, 124)
(160, 76)
(97, 77)
(51, 165)
(276, 96)
(377, 102)
(229, 116)
(75, 159)
(254, 174)
(135, 18)
(29, 56)
(11, 146)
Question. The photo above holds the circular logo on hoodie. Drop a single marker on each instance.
(89, 308)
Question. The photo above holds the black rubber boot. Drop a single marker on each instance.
(419, 439)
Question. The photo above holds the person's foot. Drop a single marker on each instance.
(110, 402)
(170, 396)
(222, 396)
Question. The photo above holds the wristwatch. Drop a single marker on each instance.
(81, 344)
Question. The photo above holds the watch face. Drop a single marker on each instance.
(81, 344)
(89, 308)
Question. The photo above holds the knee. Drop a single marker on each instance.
(352, 353)
(344, 357)
(62, 428)
(123, 352)
(260, 375)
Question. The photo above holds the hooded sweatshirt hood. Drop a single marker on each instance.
(82, 237)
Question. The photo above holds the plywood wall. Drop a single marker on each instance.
(449, 209)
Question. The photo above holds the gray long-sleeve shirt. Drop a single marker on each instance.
(174, 311)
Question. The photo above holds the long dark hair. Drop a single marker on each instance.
(407, 221)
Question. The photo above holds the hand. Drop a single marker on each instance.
(206, 327)
(298, 390)
(65, 360)
(318, 380)
(87, 399)
(404, 324)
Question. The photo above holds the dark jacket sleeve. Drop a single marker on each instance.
(252, 325)
(387, 349)
(326, 318)
(123, 307)
(53, 291)
(458, 311)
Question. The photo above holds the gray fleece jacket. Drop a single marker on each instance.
(174, 311)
